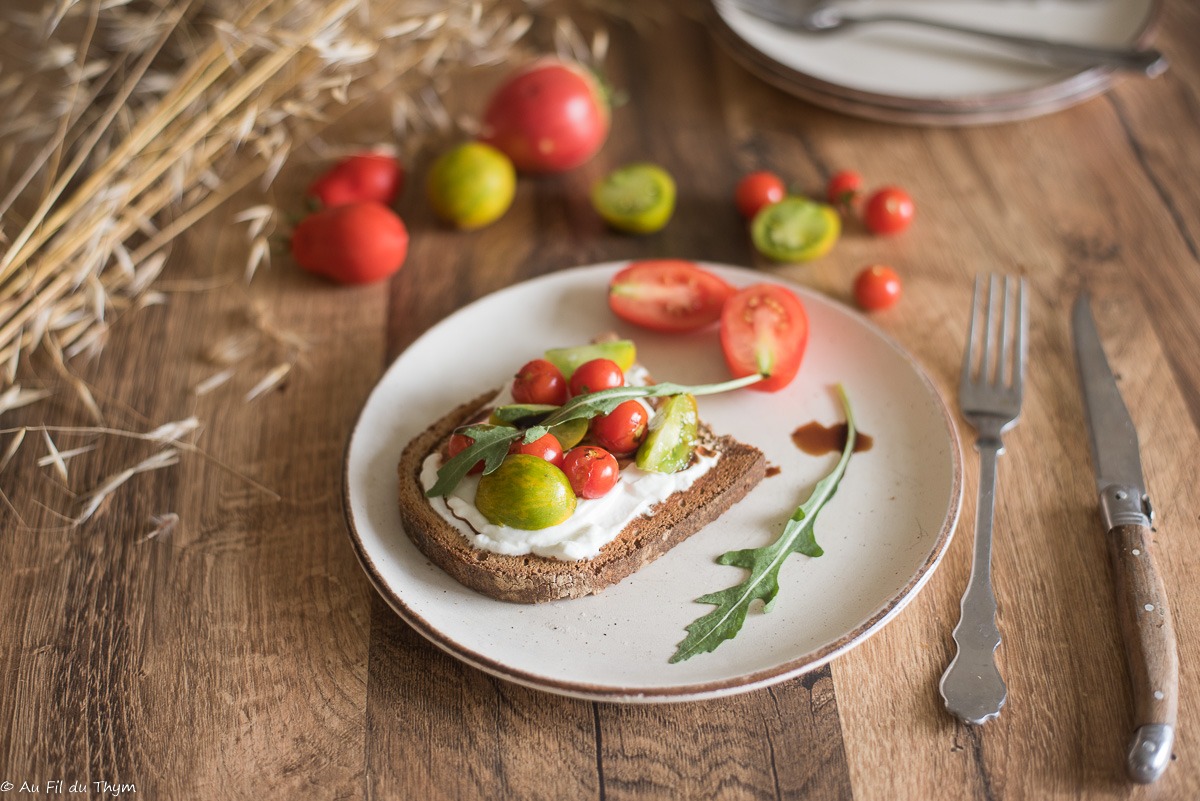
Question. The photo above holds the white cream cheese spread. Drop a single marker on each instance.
(595, 523)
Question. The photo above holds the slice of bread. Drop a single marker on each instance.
(534, 579)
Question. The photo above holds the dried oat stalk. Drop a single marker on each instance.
(141, 117)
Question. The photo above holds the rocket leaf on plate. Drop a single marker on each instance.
(732, 603)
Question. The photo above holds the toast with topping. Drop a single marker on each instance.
(531, 578)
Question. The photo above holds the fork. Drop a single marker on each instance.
(822, 17)
(989, 394)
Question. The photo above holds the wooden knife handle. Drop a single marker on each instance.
(1149, 637)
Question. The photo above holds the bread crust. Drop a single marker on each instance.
(537, 579)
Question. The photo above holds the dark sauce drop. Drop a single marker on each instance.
(816, 439)
(773, 470)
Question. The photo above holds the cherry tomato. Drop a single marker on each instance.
(353, 244)
(889, 211)
(667, 295)
(877, 287)
(756, 190)
(592, 471)
(459, 443)
(636, 198)
(548, 117)
(545, 447)
(844, 189)
(622, 430)
(596, 375)
(471, 185)
(539, 381)
(764, 329)
(365, 176)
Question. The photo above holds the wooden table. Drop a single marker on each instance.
(245, 655)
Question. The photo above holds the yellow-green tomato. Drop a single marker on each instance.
(472, 185)
(637, 198)
(672, 436)
(525, 492)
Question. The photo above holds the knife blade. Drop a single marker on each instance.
(1142, 608)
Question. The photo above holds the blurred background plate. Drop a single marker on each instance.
(913, 75)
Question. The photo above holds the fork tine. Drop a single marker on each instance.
(1004, 370)
(1020, 338)
(991, 324)
(969, 362)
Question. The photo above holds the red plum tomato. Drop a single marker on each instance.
(545, 447)
(889, 211)
(596, 375)
(877, 287)
(354, 244)
(548, 117)
(669, 295)
(756, 190)
(764, 329)
(592, 471)
(539, 381)
(354, 179)
(622, 430)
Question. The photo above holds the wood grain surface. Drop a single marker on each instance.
(245, 655)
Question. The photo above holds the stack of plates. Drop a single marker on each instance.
(916, 75)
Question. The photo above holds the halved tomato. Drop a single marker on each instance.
(764, 329)
(669, 295)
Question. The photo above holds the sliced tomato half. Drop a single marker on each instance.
(764, 329)
(670, 295)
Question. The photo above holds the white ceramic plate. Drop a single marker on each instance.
(883, 533)
(904, 73)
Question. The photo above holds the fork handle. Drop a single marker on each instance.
(1149, 648)
(1059, 54)
(972, 687)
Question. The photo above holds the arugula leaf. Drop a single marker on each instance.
(490, 445)
(491, 442)
(732, 604)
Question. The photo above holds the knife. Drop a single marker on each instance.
(1141, 598)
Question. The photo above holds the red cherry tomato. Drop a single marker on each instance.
(596, 375)
(844, 188)
(459, 443)
(667, 295)
(592, 471)
(539, 381)
(622, 430)
(756, 190)
(365, 176)
(877, 287)
(353, 244)
(764, 329)
(545, 447)
(889, 211)
(548, 117)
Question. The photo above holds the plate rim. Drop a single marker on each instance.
(746, 682)
(959, 110)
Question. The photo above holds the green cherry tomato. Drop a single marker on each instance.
(795, 229)
(637, 198)
(525, 492)
(472, 185)
(672, 435)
